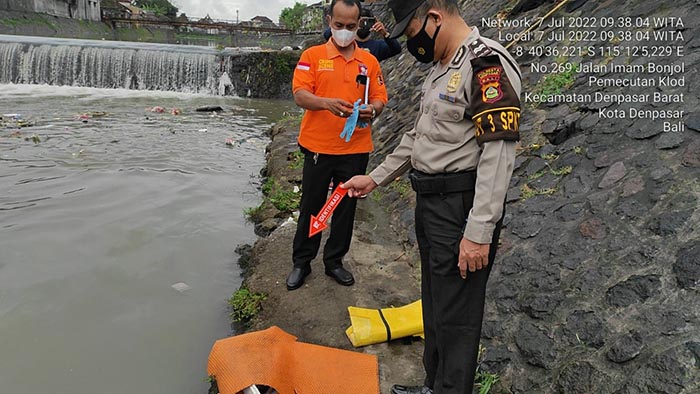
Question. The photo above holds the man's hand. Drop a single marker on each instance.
(359, 185)
(366, 113)
(379, 28)
(338, 107)
(472, 256)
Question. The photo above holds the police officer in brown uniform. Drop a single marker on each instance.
(460, 153)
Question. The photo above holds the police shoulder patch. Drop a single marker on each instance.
(493, 101)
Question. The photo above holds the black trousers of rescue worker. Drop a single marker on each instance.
(318, 172)
(453, 307)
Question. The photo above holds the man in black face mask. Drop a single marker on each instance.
(461, 152)
(381, 49)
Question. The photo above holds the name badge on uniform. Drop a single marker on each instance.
(445, 97)
(454, 81)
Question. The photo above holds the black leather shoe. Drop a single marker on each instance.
(296, 278)
(341, 275)
(398, 389)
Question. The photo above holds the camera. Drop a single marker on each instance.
(367, 23)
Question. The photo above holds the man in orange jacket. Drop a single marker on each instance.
(326, 85)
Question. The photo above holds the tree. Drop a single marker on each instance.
(159, 7)
(291, 17)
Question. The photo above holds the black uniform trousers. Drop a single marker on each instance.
(317, 174)
(453, 307)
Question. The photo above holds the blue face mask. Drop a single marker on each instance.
(422, 46)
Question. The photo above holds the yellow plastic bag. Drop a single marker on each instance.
(369, 326)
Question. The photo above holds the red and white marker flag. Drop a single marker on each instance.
(318, 223)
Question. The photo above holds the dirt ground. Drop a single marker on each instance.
(386, 274)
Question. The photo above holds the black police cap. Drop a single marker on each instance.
(403, 13)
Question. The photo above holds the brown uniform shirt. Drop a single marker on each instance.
(443, 138)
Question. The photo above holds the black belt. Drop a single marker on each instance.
(456, 182)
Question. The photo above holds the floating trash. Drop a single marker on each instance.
(229, 142)
(156, 109)
(34, 138)
(181, 287)
(211, 108)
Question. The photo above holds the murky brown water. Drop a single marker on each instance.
(97, 222)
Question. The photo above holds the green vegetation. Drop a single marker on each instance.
(578, 150)
(566, 170)
(401, 186)
(484, 380)
(245, 305)
(254, 214)
(291, 116)
(158, 7)
(537, 175)
(282, 66)
(291, 17)
(555, 83)
(550, 157)
(527, 192)
(297, 160)
(562, 171)
(284, 200)
(10, 22)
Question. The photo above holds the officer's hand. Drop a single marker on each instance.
(359, 185)
(338, 107)
(472, 256)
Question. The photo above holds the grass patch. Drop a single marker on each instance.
(527, 192)
(537, 175)
(297, 160)
(9, 22)
(254, 214)
(401, 186)
(484, 380)
(285, 200)
(562, 171)
(555, 83)
(550, 157)
(245, 305)
(579, 150)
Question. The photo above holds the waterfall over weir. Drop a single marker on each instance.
(111, 64)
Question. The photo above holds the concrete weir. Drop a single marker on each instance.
(111, 64)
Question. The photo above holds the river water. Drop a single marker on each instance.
(99, 220)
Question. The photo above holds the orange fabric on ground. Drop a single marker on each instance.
(274, 358)
(323, 71)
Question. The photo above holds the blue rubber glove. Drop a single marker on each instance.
(351, 122)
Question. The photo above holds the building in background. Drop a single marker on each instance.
(263, 21)
(76, 9)
(313, 19)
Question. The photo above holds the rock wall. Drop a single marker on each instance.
(596, 287)
(263, 74)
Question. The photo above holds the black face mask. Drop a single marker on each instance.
(422, 46)
(363, 33)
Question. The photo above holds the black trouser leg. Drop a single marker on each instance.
(343, 219)
(453, 307)
(430, 353)
(314, 185)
